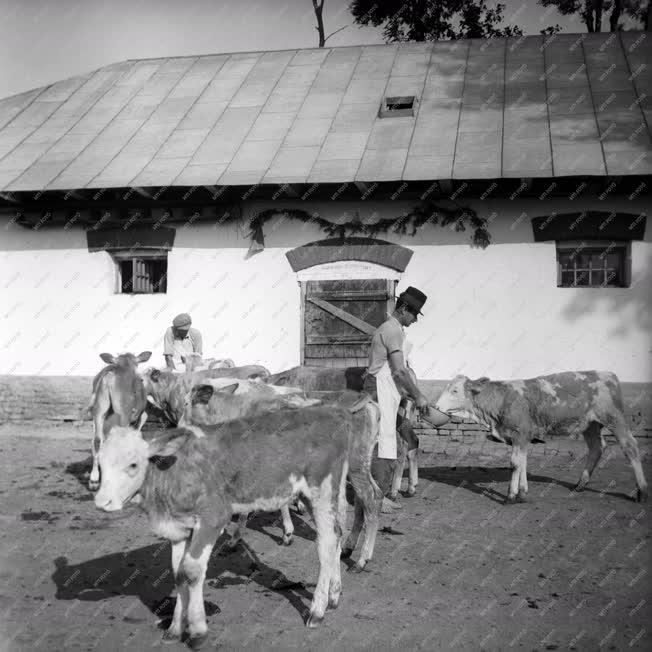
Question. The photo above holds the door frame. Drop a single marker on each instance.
(348, 270)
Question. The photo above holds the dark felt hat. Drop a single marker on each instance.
(413, 298)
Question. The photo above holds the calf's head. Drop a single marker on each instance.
(126, 360)
(157, 382)
(123, 461)
(458, 395)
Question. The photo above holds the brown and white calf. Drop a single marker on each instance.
(568, 403)
(218, 402)
(206, 404)
(117, 390)
(168, 390)
(328, 379)
(190, 486)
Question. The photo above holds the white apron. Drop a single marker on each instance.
(388, 400)
(181, 348)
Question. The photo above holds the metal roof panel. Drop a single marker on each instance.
(213, 109)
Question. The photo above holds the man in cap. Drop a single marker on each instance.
(387, 371)
(180, 339)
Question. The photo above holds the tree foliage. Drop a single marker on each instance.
(594, 12)
(433, 20)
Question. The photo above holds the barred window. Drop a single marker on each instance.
(592, 264)
(141, 272)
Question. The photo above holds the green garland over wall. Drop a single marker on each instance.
(425, 213)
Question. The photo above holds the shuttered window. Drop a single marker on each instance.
(141, 272)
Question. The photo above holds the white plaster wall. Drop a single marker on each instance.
(493, 312)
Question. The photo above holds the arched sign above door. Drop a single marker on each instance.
(368, 250)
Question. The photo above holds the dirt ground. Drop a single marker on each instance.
(454, 570)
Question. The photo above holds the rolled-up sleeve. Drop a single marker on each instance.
(168, 342)
(393, 340)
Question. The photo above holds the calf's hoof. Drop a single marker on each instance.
(579, 487)
(641, 495)
(393, 496)
(314, 620)
(196, 642)
(93, 485)
(346, 553)
(170, 636)
(511, 499)
(356, 568)
(287, 539)
(333, 603)
(521, 497)
(411, 491)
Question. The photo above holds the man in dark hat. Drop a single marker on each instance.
(180, 339)
(387, 371)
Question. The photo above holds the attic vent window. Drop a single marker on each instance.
(395, 107)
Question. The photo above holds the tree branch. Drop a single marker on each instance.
(335, 32)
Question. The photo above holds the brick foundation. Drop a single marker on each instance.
(61, 399)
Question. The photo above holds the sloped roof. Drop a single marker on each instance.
(486, 109)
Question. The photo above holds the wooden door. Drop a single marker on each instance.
(339, 317)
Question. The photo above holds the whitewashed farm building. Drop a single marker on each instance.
(130, 194)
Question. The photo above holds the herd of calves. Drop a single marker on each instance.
(320, 430)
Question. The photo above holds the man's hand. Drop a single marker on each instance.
(422, 404)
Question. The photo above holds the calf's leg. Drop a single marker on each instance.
(339, 505)
(627, 442)
(409, 436)
(236, 537)
(596, 445)
(175, 629)
(522, 478)
(368, 500)
(356, 528)
(324, 517)
(100, 408)
(288, 526)
(519, 464)
(193, 568)
(413, 469)
(399, 467)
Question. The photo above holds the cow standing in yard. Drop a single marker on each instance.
(330, 379)
(190, 486)
(521, 411)
(219, 402)
(168, 390)
(117, 390)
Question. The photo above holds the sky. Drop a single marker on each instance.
(44, 41)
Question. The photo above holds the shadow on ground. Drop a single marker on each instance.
(493, 482)
(145, 573)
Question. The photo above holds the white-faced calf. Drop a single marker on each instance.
(190, 486)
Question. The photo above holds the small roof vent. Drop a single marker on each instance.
(397, 107)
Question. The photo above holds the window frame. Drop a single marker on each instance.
(623, 247)
(133, 255)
